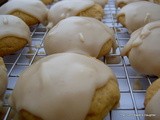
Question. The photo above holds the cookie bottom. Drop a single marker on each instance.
(9, 45)
(106, 48)
(95, 11)
(29, 20)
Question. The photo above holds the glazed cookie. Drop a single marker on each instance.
(83, 88)
(14, 34)
(3, 81)
(143, 49)
(68, 8)
(83, 35)
(30, 11)
(136, 15)
(152, 101)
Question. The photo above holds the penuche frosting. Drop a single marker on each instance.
(3, 80)
(81, 35)
(143, 49)
(60, 86)
(34, 8)
(138, 14)
(152, 108)
(13, 26)
(66, 8)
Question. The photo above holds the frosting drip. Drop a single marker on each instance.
(67, 8)
(138, 14)
(153, 107)
(79, 35)
(13, 26)
(34, 8)
(145, 41)
(63, 94)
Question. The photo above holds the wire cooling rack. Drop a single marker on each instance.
(132, 84)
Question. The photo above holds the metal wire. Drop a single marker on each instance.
(111, 21)
(124, 65)
(130, 107)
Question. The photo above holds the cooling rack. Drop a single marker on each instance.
(132, 84)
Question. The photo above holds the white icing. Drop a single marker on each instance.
(101, 2)
(78, 34)
(153, 107)
(3, 80)
(34, 8)
(137, 13)
(60, 86)
(67, 8)
(143, 49)
(13, 26)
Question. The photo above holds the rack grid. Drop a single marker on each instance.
(132, 84)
